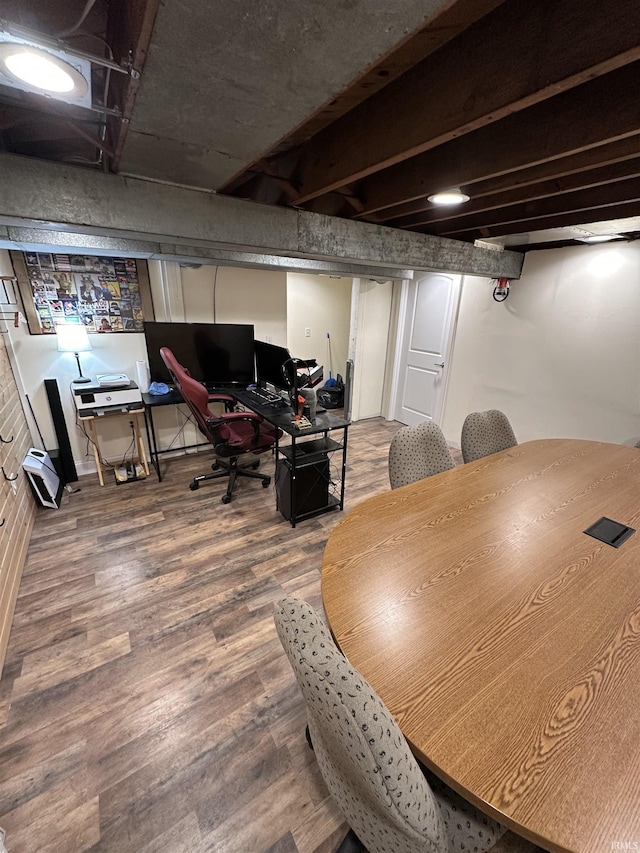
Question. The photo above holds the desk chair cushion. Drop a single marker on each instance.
(417, 452)
(484, 433)
(243, 432)
(363, 756)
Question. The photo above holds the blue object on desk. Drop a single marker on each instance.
(159, 388)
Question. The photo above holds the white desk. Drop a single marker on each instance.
(90, 421)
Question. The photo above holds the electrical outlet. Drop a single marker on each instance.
(307, 332)
(268, 339)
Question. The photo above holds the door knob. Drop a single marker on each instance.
(439, 364)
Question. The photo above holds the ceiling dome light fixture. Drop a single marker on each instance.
(454, 196)
(40, 70)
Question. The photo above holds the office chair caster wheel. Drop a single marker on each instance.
(255, 465)
(266, 483)
(226, 499)
(215, 466)
(194, 486)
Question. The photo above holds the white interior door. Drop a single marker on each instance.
(424, 347)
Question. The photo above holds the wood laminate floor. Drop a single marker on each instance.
(146, 704)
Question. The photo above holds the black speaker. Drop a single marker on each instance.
(68, 473)
(312, 487)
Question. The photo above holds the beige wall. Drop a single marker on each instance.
(561, 356)
(221, 294)
(321, 304)
(371, 347)
(241, 296)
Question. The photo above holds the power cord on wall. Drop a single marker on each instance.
(215, 282)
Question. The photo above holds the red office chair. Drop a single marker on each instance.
(232, 434)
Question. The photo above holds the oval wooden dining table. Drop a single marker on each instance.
(505, 640)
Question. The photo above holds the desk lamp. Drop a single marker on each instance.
(73, 337)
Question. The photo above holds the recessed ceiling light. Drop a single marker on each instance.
(600, 238)
(448, 197)
(40, 70)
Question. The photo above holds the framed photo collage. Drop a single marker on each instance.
(105, 294)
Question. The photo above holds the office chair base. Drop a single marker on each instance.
(230, 468)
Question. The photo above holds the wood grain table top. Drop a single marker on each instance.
(505, 641)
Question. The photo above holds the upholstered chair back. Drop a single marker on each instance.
(362, 754)
(417, 452)
(484, 433)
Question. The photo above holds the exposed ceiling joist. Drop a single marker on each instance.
(530, 48)
(562, 126)
(552, 170)
(559, 219)
(580, 203)
(490, 205)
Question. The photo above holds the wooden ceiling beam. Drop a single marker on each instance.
(581, 202)
(564, 220)
(441, 27)
(606, 176)
(129, 29)
(597, 113)
(592, 158)
(529, 48)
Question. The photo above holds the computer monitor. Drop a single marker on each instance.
(218, 354)
(274, 366)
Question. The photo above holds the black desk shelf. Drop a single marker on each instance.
(310, 451)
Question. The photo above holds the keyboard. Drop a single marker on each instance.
(264, 397)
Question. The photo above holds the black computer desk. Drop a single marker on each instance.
(310, 470)
(308, 480)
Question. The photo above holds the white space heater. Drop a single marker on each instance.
(46, 484)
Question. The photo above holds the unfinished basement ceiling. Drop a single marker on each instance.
(362, 110)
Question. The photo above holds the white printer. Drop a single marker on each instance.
(101, 396)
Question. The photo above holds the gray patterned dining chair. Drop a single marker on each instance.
(484, 433)
(365, 760)
(417, 452)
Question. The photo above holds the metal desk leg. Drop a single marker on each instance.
(153, 445)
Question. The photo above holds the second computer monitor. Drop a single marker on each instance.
(274, 366)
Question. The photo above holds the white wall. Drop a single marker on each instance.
(321, 304)
(561, 356)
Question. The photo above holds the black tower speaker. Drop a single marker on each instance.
(64, 457)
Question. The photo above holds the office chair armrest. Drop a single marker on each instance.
(254, 418)
(229, 402)
(236, 416)
(242, 416)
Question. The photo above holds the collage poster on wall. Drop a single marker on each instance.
(102, 293)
